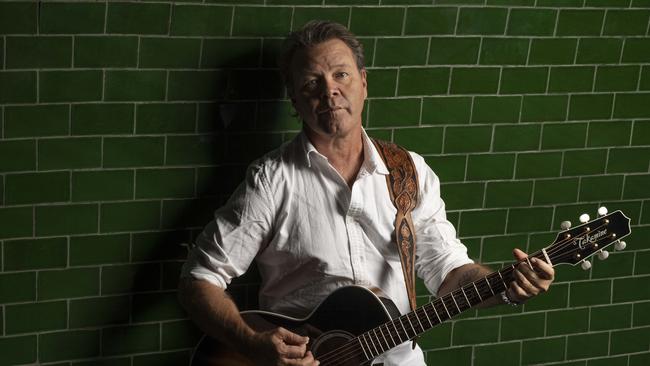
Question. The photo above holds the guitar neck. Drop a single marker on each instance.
(427, 316)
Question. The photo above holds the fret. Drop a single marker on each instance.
(381, 346)
(445, 306)
(505, 285)
(529, 264)
(425, 314)
(419, 322)
(403, 327)
(469, 304)
(390, 335)
(436, 312)
(385, 339)
(489, 286)
(412, 327)
(477, 291)
(397, 332)
(373, 345)
(363, 349)
(368, 345)
(455, 303)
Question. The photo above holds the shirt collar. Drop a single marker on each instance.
(372, 161)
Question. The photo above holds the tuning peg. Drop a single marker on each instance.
(603, 254)
(586, 265)
(602, 211)
(565, 225)
(620, 245)
(584, 218)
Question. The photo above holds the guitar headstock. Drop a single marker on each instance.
(575, 245)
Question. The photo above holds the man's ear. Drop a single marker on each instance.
(364, 81)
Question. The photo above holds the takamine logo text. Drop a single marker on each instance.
(587, 239)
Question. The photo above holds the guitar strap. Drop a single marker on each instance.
(402, 184)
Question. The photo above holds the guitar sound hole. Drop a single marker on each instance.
(327, 346)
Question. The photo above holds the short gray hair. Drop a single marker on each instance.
(310, 35)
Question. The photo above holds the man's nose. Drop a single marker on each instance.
(330, 88)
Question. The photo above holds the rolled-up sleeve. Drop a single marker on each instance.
(438, 249)
(230, 242)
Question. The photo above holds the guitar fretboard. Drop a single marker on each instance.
(406, 327)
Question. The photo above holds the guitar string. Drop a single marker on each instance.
(354, 345)
(352, 349)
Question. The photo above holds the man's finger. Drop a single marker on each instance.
(292, 338)
(525, 284)
(543, 269)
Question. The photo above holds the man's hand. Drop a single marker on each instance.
(281, 347)
(529, 281)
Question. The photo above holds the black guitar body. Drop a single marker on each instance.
(343, 315)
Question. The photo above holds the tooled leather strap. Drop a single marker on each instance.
(403, 188)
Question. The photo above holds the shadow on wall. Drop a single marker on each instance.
(244, 118)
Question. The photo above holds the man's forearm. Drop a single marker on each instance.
(466, 274)
(214, 312)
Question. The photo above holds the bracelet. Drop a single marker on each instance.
(506, 299)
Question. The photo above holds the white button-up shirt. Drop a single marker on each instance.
(311, 234)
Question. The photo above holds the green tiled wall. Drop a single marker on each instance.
(123, 124)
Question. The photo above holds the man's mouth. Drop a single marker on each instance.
(329, 110)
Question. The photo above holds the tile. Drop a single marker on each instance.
(99, 249)
(35, 254)
(484, 21)
(504, 51)
(99, 311)
(434, 20)
(496, 109)
(103, 185)
(158, 52)
(523, 80)
(454, 50)
(70, 86)
(66, 283)
(69, 153)
(164, 183)
(71, 18)
(580, 22)
(18, 18)
(130, 216)
(36, 121)
(103, 51)
(400, 51)
(516, 137)
(467, 139)
(35, 317)
(394, 112)
(38, 52)
(37, 187)
(423, 81)
(17, 86)
(466, 80)
(66, 219)
(531, 22)
(446, 110)
(59, 346)
(127, 85)
(260, 21)
(102, 118)
(377, 21)
(191, 20)
(134, 18)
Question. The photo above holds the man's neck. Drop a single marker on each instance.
(344, 153)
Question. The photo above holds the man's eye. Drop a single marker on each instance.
(342, 74)
(311, 83)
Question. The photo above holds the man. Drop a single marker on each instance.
(316, 215)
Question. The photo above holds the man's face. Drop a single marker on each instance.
(328, 89)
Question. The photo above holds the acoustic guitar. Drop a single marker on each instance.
(354, 325)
